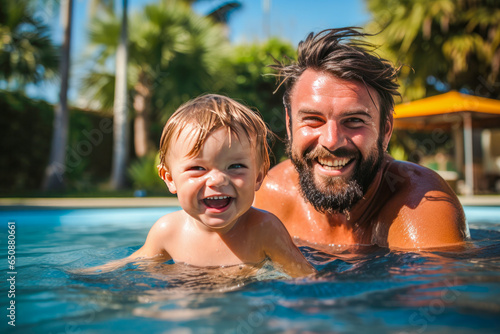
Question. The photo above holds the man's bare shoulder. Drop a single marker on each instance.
(281, 173)
(416, 182)
(282, 179)
(279, 190)
(421, 209)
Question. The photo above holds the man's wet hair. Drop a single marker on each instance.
(343, 53)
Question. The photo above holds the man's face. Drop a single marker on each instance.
(334, 140)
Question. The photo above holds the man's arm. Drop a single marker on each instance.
(424, 212)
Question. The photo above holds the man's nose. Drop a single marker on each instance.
(217, 178)
(331, 136)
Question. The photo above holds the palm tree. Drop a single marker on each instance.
(221, 12)
(27, 54)
(453, 43)
(54, 171)
(174, 55)
(119, 103)
(120, 110)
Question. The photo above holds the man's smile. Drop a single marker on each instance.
(334, 166)
(333, 163)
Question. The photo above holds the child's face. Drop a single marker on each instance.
(217, 186)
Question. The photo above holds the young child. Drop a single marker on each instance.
(214, 156)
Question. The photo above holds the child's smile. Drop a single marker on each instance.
(217, 202)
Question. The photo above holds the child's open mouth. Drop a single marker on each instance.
(217, 202)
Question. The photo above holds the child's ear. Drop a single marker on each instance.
(259, 180)
(167, 178)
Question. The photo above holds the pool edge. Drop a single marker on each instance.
(109, 202)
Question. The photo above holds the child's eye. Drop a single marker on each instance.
(196, 168)
(237, 166)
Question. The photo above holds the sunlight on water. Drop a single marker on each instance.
(357, 289)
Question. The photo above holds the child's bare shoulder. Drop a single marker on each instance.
(265, 220)
(161, 234)
(168, 223)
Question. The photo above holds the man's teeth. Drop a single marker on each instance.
(335, 163)
(217, 197)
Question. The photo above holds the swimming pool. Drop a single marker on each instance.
(357, 290)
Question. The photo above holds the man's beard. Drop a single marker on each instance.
(337, 194)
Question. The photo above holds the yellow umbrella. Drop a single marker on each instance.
(450, 108)
(447, 103)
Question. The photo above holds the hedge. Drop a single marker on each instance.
(25, 137)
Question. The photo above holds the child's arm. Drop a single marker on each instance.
(279, 247)
(155, 241)
(152, 248)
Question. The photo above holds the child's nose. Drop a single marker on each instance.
(217, 178)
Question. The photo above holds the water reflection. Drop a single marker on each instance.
(357, 288)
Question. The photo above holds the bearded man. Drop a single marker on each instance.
(339, 185)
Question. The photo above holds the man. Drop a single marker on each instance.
(339, 186)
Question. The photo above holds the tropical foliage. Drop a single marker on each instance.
(144, 174)
(174, 55)
(27, 54)
(447, 44)
(25, 131)
(254, 83)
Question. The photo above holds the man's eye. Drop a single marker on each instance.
(354, 121)
(237, 166)
(313, 121)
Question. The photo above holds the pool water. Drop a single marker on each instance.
(363, 289)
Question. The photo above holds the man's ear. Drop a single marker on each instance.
(287, 120)
(167, 178)
(389, 127)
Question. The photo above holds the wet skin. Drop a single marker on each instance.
(217, 186)
(406, 206)
(218, 226)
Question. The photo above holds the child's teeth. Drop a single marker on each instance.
(217, 202)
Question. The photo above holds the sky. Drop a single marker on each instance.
(290, 20)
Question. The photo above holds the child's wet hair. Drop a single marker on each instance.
(210, 112)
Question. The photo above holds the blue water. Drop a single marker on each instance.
(363, 289)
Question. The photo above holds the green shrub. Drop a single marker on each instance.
(144, 174)
(25, 134)
(25, 139)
